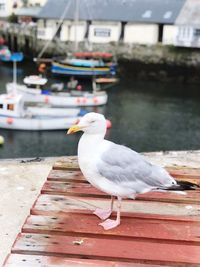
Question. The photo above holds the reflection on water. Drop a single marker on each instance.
(147, 116)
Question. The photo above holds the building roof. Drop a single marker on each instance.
(190, 13)
(151, 11)
(28, 11)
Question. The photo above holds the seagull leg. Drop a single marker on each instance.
(104, 214)
(109, 224)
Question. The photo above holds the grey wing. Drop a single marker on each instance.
(122, 165)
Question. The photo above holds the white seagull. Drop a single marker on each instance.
(116, 169)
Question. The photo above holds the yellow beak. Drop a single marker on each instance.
(73, 129)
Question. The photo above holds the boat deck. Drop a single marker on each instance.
(157, 229)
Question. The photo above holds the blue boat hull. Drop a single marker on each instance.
(73, 70)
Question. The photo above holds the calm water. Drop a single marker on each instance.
(145, 116)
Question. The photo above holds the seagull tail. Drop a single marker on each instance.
(183, 185)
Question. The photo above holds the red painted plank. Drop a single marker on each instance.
(66, 176)
(191, 197)
(66, 164)
(18, 260)
(72, 188)
(87, 190)
(107, 249)
(168, 240)
(130, 227)
(71, 163)
(184, 172)
(57, 204)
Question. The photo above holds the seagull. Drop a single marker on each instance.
(116, 169)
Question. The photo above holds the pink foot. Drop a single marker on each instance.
(102, 214)
(109, 224)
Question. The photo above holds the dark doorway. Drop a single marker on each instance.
(160, 33)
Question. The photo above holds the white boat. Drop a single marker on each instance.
(53, 112)
(33, 92)
(14, 115)
(35, 79)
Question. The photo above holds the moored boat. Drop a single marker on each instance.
(7, 56)
(85, 64)
(14, 115)
(34, 91)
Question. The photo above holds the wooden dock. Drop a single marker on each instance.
(157, 229)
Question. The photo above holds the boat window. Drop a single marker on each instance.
(10, 106)
(1, 105)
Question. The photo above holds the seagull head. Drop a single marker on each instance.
(91, 123)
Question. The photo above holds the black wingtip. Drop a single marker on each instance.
(185, 185)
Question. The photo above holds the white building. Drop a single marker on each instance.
(141, 33)
(7, 7)
(188, 25)
(69, 31)
(104, 32)
(135, 22)
(169, 34)
(37, 2)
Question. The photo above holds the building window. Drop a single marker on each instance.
(10, 107)
(102, 32)
(1, 105)
(147, 14)
(2, 7)
(197, 32)
(167, 15)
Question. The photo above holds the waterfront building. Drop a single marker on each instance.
(104, 32)
(188, 25)
(8, 7)
(98, 21)
(36, 2)
(143, 22)
(27, 14)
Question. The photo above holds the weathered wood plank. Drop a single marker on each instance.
(72, 188)
(87, 190)
(87, 225)
(191, 197)
(18, 260)
(184, 172)
(188, 174)
(156, 228)
(57, 204)
(77, 176)
(66, 176)
(66, 163)
(71, 162)
(107, 249)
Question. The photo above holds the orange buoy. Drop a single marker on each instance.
(46, 99)
(108, 124)
(9, 120)
(95, 100)
(84, 100)
(79, 87)
(42, 67)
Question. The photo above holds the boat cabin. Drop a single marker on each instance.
(11, 105)
(35, 81)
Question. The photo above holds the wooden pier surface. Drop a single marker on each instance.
(157, 229)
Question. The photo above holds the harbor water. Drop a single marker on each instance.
(146, 116)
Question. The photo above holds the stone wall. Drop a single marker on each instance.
(158, 62)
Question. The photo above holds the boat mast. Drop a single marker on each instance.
(76, 20)
(15, 72)
(60, 22)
